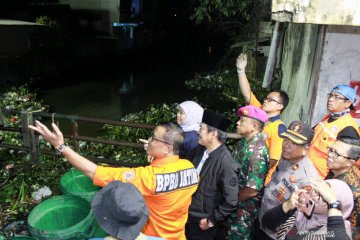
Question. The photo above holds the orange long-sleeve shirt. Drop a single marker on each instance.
(167, 186)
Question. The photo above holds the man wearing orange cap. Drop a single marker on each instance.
(253, 156)
(274, 104)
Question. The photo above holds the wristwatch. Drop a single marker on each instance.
(337, 204)
(210, 223)
(61, 149)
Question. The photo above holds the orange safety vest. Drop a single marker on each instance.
(167, 186)
(325, 135)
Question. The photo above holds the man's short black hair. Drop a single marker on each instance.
(354, 151)
(284, 98)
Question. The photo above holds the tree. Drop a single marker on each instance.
(232, 16)
(240, 21)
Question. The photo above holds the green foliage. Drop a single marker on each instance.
(238, 20)
(52, 23)
(225, 84)
(20, 99)
(213, 10)
(19, 177)
(153, 115)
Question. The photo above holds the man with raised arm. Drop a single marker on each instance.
(274, 104)
(167, 184)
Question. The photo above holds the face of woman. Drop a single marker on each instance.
(320, 204)
(292, 151)
(180, 116)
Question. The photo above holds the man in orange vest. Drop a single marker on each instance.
(167, 184)
(337, 123)
(274, 104)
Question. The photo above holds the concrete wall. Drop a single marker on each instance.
(110, 6)
(299, 52)
(344, 12)
(340, 64)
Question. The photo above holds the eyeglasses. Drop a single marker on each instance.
(270, 99)
(336, 97)
(152, 138)
(334, 154)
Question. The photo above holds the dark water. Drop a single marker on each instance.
(113, 91)
(110, 90)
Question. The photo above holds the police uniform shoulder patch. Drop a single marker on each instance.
(296, 166)
(128, 175)
(292, 179)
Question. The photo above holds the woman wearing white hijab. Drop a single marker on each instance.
(189, 117)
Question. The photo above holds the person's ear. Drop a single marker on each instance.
(350, 163)
(171, 148)
(214, 133)
(168, 149)
(347, 104)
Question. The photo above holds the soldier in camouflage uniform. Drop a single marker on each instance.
(253, 156)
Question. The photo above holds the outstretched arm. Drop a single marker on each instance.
(56, 139)
(245, 89)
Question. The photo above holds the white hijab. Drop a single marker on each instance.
(194, 113)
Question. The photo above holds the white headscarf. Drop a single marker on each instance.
(194, 113)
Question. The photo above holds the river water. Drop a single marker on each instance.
(116, 90)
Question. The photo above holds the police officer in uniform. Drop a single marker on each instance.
(294, 170)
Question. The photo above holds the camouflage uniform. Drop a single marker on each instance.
(253, 157)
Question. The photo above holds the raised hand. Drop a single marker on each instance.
(54, 137)
(325, 190)
(146, 145)
(241, 62)
(145, 142)
(293, 202)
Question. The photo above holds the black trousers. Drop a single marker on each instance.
(258, 233)
(193, 231)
